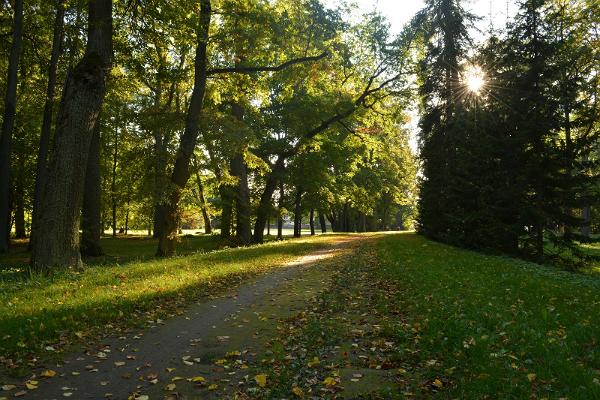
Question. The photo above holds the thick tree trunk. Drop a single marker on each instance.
(298, 213)
(269, 225)
(280, 212)
(203, 206)
(91, 213)
(322, 222)
(19, 200)
(42, 158)
(57, 242)
(8, 122)
(181, 173)
(264, 207)
(312, 222)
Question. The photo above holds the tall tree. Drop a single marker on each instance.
(445, 26)
(56, 243)
(42, 157)
(8, 123)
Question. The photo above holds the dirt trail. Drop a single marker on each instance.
(150, 363)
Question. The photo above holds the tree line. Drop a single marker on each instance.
(158, 114)
(511, 167)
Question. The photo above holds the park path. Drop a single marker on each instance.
(161, 362)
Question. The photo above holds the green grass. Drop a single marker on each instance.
(121, 249)
(491, 322)
(37, 312)
(434, 321)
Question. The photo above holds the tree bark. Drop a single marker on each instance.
(42, 158)
(181, 173)
(226, 211)
(312, 222)
(91, 213)
(322, 222)
(57, 243)
(113, 183)
(280, 212)
(19, 200)
(264, 205)
(8, 123)
(203, 206)
(298, 213)
(242, 200)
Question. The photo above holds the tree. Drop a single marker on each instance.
(56, 243)
(8, 122)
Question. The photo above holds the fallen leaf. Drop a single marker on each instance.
(170, 387)
(31, 385)
(67, 394)
(531, 377)
(297, 391)
(261, 379)
(119, 363)
(198, 379)
(21, 393)
(438, 384)
(213, 387)
(330, 382)
(8, 387)
(315, 361)
(48, 373)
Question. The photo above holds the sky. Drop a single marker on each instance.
(399, 12)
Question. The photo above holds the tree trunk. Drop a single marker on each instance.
(8, 122)
(42, 158)
(298, 213)
(19, 200)
(91, 213)
(113, 183)
(58, 234)
(226, 211)
(242, 200)
(322, 222)
(269, 225)
(312, 222)
(587, 219)
(264, 206)
(203, 206)
(160, 178)
(280, 212)
(127, 220)
(181, 173)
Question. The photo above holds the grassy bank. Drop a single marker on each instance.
(410, 318)
(42, 316)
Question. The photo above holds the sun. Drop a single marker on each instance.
(474, 79)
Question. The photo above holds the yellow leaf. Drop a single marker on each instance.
(31, 385)
(233, 353)
(198, 379)
(437, 383)
(329, 381)
(261, 380)
(170, 387)
(315, 361)
(531, 377)
(48, 373)
(177, 378)
(297, 391)
(170, 369)
(212, 387)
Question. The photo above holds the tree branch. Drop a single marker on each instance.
(249, 70)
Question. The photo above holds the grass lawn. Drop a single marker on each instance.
(410, 318)
(42, 316)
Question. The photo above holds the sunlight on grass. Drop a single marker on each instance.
(37, 311)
